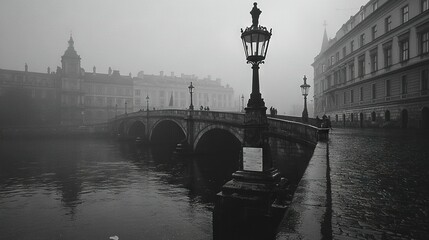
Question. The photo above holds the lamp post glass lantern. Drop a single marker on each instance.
(255, 40)
(304, 90)
(191, 90)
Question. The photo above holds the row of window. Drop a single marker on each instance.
(340, 76)
(374, 31)
(388, 88)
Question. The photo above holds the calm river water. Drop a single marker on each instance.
(95, 189)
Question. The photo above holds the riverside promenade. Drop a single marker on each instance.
(363, 184)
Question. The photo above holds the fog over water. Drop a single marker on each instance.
(188, 36)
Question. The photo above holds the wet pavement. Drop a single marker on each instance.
(376, 187)
(380, 185)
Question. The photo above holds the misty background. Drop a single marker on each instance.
(200, 37)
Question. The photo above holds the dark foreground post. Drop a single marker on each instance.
(244, 208)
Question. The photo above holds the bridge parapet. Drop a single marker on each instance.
(294, 130)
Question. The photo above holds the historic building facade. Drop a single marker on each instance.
(162, 91)
(375, 71)
(71, 96)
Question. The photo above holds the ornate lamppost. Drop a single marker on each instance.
(253, 184)
(116, 111)
(242, 103)
(191, 90)
(304, 89)
(251, 192)
(147, 103)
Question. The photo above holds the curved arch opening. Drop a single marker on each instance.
(373, 116)
(387, 116)
(168, 133)
(218, 142)
(425, 118)
(404, 118)
(137, 129)
(361, 119)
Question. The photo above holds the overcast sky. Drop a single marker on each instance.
(200, 37)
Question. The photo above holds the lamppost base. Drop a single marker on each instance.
(245, 207)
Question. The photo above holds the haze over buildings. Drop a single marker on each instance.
(191, 37)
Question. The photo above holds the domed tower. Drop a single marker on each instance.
(70, 61)
(71, 87)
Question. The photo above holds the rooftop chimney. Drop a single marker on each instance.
(26, 67)
(49, 70)
(161, 73)
(110, 71)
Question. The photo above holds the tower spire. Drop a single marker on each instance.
(325, 41)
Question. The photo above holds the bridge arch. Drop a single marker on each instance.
(233, 131)
(169, 130)
(137, 129)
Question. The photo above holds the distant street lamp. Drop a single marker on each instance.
(147, 102)
(304, 89)
(242, 103)
(126, 107)
(116, 110)
(83, 117)
(191, 90)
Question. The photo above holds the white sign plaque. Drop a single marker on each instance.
(252, 159)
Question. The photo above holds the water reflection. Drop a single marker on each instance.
(93, 189)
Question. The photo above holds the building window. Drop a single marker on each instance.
(374, 6)
(404, 50)
(388, 23)
(361, 94)
(351, 96)
(374, 61)
(404, 84)
(352, 46)
(425, 79)
(362, 39)
(424, 43)
(344, 97)
(374, 91)
(336, 99)
(424, 5)
(387, 88)
(374, 32)
(373, 116)
(137, 92)
(405, 14)
(344, 52)
(332, 60)
(387, 56)
(361, 66)
(337, 57)
(352, 71)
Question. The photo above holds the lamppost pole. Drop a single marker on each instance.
(191, 90)
(147, 103)
(126, 107)
(116, 111)
(242, 102)
(304, 89)
(254, 183)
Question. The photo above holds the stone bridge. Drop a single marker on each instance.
(193, 126)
